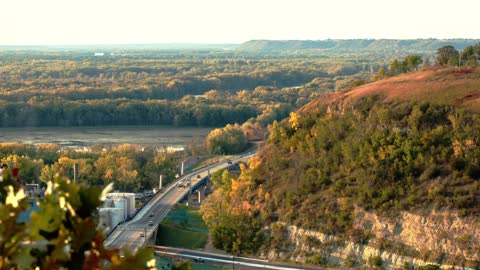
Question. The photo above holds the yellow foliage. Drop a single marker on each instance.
(260, 193)
(456, 148)
(109, 174)
(294, 120)
(254, 162)
(49, 146)
(243, 167)
(236, 185)
(127, 148)
(470, 143)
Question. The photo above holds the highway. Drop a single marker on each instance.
(136, 232)
(229, 260)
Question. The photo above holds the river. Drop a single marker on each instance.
(80, 137)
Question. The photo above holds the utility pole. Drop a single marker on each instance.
(459, 59)
(189, 189)
(181, 171)
(208, 178)
(75, 173)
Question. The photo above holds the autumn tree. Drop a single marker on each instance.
(227, 140)
(30, 169)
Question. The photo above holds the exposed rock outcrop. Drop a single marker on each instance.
(440, 237)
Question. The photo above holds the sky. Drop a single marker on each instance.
(76, 22)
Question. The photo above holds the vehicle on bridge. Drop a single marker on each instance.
(150, 223)
(148, 193)
(199, 260)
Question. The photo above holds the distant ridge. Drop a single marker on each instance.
(367, 45)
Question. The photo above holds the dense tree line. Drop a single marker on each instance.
(129, 167)
(449, 56)
(167, 88)
(60, 112)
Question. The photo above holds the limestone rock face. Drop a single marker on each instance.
(439, 232)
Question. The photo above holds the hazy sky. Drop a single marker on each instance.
(231, 21)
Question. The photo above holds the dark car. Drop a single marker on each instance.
(229, 161)
(199, 260)
(151, 214)
(198, 176)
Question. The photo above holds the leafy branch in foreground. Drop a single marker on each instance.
(57, 231)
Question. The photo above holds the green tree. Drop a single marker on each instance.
(381, 74)
(411, 62)
(395, 67)
(447, 55)
(470, 56)
(29, 169)
(49, 172)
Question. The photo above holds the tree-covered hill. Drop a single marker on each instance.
(328, 164)
(355, 45)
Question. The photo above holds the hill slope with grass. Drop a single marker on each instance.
(458, 87)
(390, 169)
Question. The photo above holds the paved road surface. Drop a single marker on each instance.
(134, 234)
(228, 260)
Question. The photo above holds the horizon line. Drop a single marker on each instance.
(216, 43)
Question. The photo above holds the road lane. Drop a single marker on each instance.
(230, 261)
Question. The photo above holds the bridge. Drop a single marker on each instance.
(137, 232)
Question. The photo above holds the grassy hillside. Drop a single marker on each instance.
(458, 87)
(183, 228)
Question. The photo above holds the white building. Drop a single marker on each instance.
(117, 208)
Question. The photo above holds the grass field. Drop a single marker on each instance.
(183, 227)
